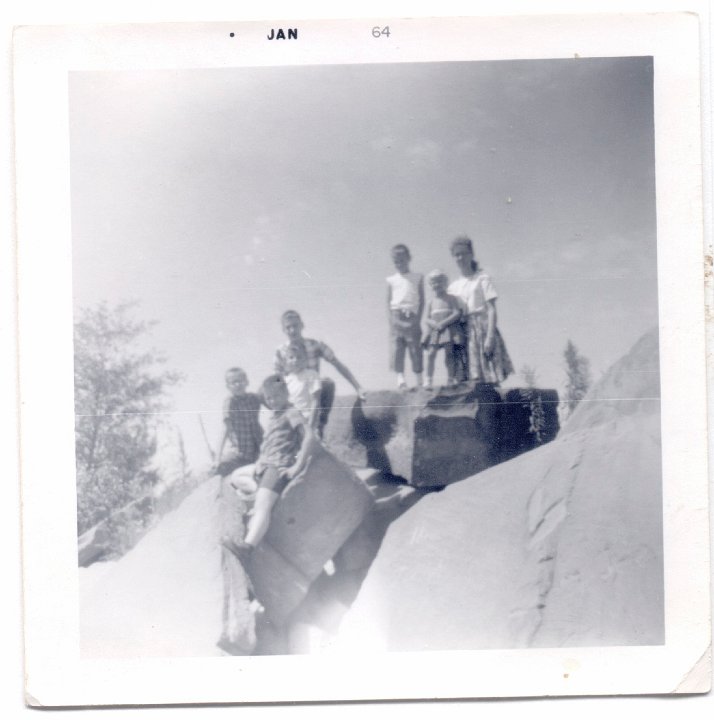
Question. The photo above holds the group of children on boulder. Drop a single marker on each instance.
(460, 320)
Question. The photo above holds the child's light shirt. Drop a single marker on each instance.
(302, 386)
(315, 350)
(474, 292)
(441, 308)
(404, 291)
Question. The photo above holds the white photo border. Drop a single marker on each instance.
(55, 673)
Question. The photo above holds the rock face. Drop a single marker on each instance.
(165, 597)
(560, 546)
(555, 547)
(433, 440)
(238, 636)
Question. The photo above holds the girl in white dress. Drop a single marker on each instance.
(489, 361)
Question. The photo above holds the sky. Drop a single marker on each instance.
(219, 198)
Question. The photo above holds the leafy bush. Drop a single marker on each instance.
(119, 393)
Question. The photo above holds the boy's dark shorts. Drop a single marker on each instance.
(273, 478)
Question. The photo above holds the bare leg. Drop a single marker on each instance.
(260, 520)
(450, 362)
(430, 360)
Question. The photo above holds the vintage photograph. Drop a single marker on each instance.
(366, 358)
(366, 355)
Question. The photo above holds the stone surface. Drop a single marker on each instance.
(377, 432)
(558, 547)
(238, 635)
(456, 434)
(435, 439)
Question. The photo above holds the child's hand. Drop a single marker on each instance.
(488, 348)
(287, 473)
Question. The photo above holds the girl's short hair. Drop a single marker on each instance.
(235, 371)
(464, 241)
(290, 314)
(440, 274)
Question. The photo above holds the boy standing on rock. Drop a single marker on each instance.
(405, 305)
(315, 350)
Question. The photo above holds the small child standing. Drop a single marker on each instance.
(304, 384)
(243, 433)
(405, 305)
(285, 452)
(445, 331)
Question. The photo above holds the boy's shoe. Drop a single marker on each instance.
(401, 385)
(428, 385)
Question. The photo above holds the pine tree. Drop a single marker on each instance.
(578, 376)
(118, 393)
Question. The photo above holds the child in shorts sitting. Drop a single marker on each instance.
(285, 452)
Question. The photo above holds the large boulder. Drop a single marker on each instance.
(456, 434)
(165, 597)
(561, 546)
(316, 514)
(432, 440)
(238, 636)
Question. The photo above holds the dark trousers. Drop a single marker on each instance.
(327, 398)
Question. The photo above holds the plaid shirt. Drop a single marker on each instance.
(314, 349)
(240, 414)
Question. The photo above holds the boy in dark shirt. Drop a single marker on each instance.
(243, 434)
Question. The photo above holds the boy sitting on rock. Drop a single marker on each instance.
(242, 433)
(286, 449)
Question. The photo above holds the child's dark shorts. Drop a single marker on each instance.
(271, 477)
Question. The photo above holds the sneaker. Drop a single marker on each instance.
(428, 385)
(401, 385)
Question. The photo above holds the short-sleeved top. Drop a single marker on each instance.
(240, 414)
(474, 292)
(404, 291)
(314, 349)
(302, 385)
(283, 438)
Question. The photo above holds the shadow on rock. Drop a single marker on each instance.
(374, 432)
(332, 594)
